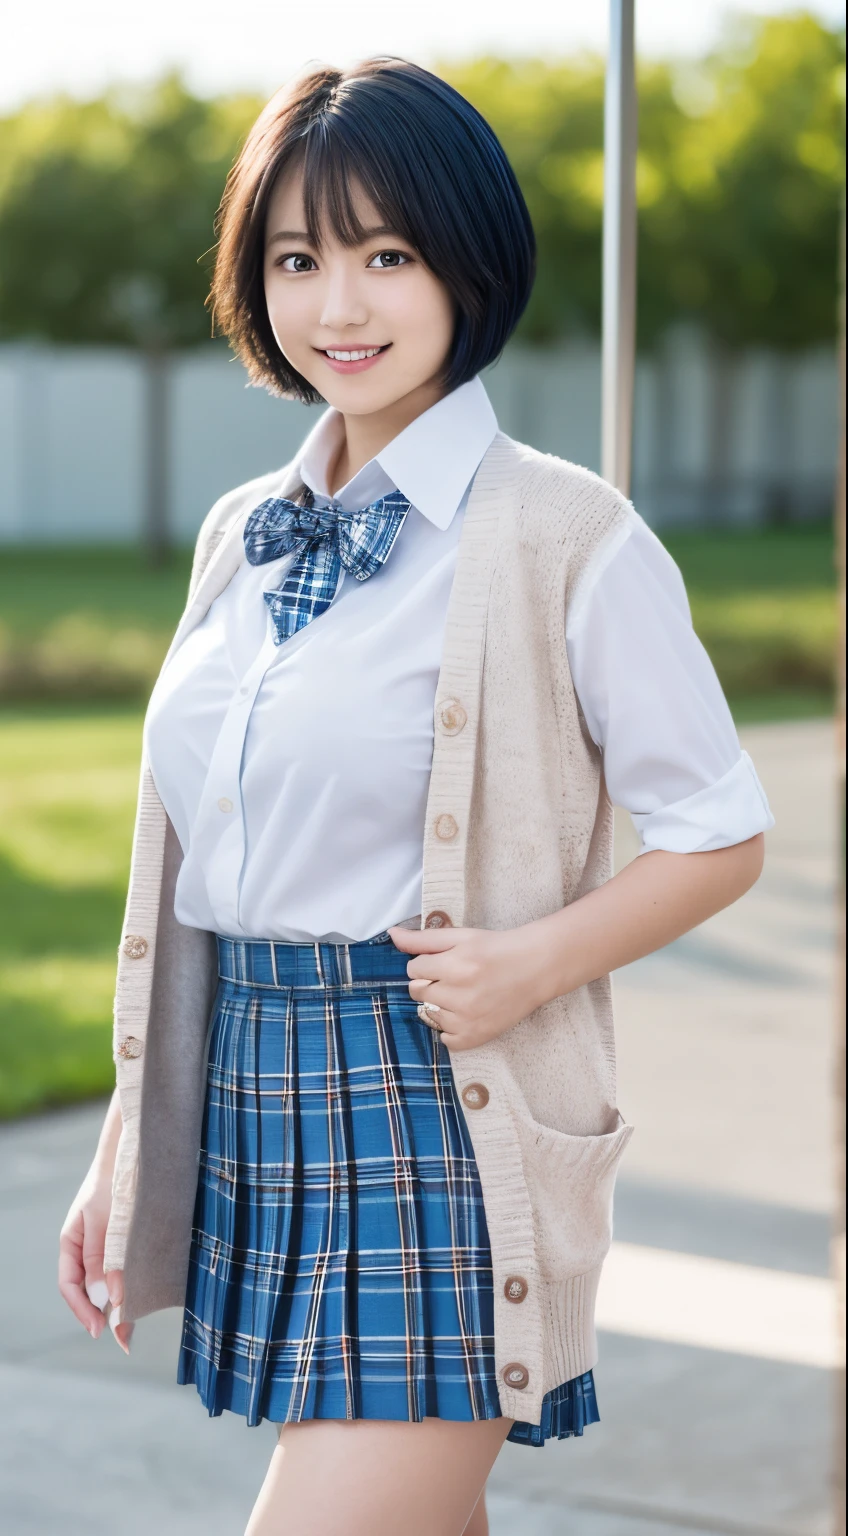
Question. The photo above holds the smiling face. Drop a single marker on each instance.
(369, 326)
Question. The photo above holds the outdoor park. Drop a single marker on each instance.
(740, 175)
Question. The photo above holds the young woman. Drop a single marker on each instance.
(364, 974)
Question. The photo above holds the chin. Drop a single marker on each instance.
(354, 397)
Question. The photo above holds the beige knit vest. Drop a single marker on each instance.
(518, 824)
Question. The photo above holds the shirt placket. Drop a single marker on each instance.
(220, 830)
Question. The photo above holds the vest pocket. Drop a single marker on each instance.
(571, 1181)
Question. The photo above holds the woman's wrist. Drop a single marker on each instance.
(103, 1161)
(549, 961)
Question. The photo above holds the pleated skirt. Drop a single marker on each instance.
(340, 1264)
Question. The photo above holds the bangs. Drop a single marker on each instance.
(335, 170)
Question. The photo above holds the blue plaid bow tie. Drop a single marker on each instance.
(326, 539)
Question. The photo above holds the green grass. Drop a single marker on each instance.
(112, 583)
(86, 623)
(782, 704)
(68, 785)
(764, 605)
(98, 623)
(769, 560)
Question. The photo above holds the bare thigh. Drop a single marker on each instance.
(336, 1477)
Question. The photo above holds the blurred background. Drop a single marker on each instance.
(122, 421)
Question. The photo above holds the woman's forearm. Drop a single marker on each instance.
(104, 1157)
(653, 900)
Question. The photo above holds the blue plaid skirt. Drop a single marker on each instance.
(340, 1264)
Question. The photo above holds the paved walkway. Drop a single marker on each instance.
(710, 1425)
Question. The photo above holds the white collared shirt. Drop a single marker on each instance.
(296, 775)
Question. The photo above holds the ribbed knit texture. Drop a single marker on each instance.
(523, 782)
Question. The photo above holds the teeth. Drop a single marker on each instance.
(352, 357)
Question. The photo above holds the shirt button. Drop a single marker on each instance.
(437, 919)
(515, 1288)
(135, 946)
(445, 827)
(245, 688)
(224, 804)
(475, 1095)
(516, 1375)
(452, 716)
(130, 1047)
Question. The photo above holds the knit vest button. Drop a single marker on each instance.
(130, 1048)
(516, 1375)
(438, 919)
(475, 1095)
(445, 827)
(452, 717)
(515, 1288)
(135, 946)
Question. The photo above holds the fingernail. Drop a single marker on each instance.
(114, 1324)
(98, 1293)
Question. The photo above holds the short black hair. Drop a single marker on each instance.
(433, 168)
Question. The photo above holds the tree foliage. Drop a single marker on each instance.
(739, 175)
(107, 207)
(106, 213)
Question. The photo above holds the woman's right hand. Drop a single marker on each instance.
(81, 1245)
(82, 1240)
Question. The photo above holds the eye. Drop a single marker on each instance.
(298, 263)
(388, 259)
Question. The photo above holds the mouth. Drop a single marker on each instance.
(352, 359)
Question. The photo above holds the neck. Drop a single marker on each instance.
(364, 436)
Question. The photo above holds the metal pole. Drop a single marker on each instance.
(619, 257)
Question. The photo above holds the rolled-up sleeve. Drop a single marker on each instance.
(653, 704)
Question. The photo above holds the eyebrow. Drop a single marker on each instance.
(301, 235)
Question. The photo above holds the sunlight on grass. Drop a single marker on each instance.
(78, 990)
(69, 787)
(56, 1029)
(761, 642)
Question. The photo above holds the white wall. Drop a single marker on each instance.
(710, 443)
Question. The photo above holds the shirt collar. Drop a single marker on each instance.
(431, 461)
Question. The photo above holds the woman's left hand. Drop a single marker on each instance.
(483, 980)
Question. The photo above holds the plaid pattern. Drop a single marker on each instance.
(340, 1264)
(326, 539)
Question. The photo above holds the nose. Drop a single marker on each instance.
(344, 302)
